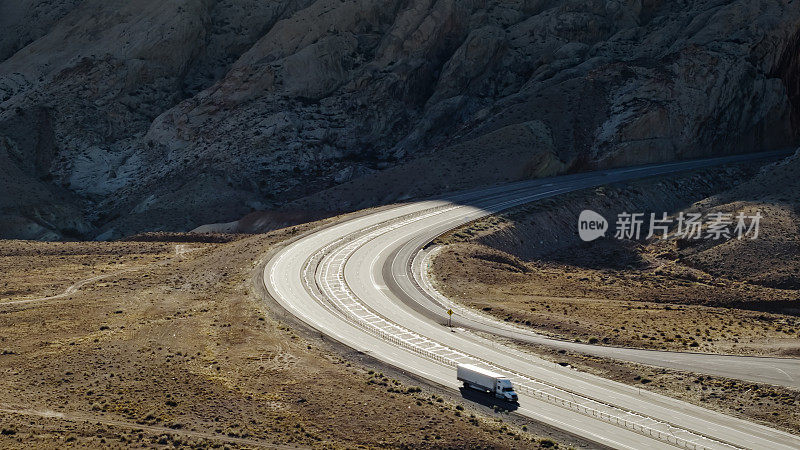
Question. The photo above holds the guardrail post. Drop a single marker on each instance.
(581, 408)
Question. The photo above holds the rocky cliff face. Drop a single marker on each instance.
(126, 116)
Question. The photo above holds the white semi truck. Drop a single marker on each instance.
(486, 381)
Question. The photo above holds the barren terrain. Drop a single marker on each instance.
(175, 346)
(641, 308)
(528, 266)
(771, 405)
(731, 296)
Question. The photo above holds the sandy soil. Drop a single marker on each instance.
(32, 270)
(647, 308)
(569, 302)
(175, 348)
(527, 265)
(773, 406)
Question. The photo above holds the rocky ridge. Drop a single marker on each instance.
(118, 117)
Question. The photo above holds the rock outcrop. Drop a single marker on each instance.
(118, 117)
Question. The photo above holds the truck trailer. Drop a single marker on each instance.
(485, 380)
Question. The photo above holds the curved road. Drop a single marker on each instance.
(355, 282)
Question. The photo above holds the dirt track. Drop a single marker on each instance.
(167, 343)
(528, 266)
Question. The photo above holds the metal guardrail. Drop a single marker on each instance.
(554, 399)
(451, 360)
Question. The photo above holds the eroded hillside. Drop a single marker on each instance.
(126, 116)
(728, 295)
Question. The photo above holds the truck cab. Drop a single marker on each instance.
(504, 390)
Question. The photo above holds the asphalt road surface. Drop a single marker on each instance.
(361, 282)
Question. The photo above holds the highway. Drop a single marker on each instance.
(362, 282)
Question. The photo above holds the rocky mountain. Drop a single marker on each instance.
(118, 117)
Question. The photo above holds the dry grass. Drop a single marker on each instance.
(528, 266)
(39, 269)
(184, 352)
(773, 406)
(611, 307)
